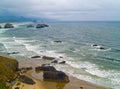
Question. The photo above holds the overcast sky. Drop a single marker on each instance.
(76, 10)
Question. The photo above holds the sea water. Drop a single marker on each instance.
(91, 49)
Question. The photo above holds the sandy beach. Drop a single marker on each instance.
(40, 84)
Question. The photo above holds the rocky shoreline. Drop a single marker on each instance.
(43, 76)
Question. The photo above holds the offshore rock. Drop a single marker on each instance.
(58, 41)
(41, 25)
(0, 26)
(8, 25)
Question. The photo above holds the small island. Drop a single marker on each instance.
(41, 25)
(8, 25)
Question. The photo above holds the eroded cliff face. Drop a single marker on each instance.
(8, 68)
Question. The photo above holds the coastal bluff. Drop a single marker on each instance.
(8, 68)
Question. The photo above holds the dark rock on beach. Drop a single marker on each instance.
(48, 58)
(62, 62)
(13, 53)
(8, 25)
(36, 57)
(54, 61)
(51, 74)
(57, 76)
(41, 25)
(45, 68)
(26, 79)
(23, 70)
(60, 57)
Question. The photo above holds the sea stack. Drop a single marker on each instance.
(41, 25)
(8, 25)
(0, 26)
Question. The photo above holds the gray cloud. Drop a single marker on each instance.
(65, 9)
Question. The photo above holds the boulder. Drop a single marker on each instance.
(41, 25)
(60, 57)
(48, 58)
(8, 25)
(36, 57)
(44, 68)
(94, 45)
(23, 70)
(58, 41)
(57, 76)
(62, 62)
(13, 53)
(102, 48)
(26, 79)
(54, 61)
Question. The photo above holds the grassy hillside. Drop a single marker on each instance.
(8, 68)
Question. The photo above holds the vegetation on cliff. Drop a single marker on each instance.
(8, 68)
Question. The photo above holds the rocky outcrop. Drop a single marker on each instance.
(0, 26)
(98, 47)
(62, 62)
(26, 79)
(23, 70)
(36, 57)
(48, 58)
(57, 76)
(54, 61)
(41, 25)
(13, 53)
(8, 25)
(45, 68)
(58, 41)
(51, 74)
(8, 69)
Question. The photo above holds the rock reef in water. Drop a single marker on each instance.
(48, 58)
(41, 25)
(0, 26)
(8, 25)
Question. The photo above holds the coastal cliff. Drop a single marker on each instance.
(8, 68)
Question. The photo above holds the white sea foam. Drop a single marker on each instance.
(3, 30)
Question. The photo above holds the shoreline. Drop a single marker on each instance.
(74, 83)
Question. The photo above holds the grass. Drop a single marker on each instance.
(8, 68)
(2, 86)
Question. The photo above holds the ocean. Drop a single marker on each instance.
(91, 49)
